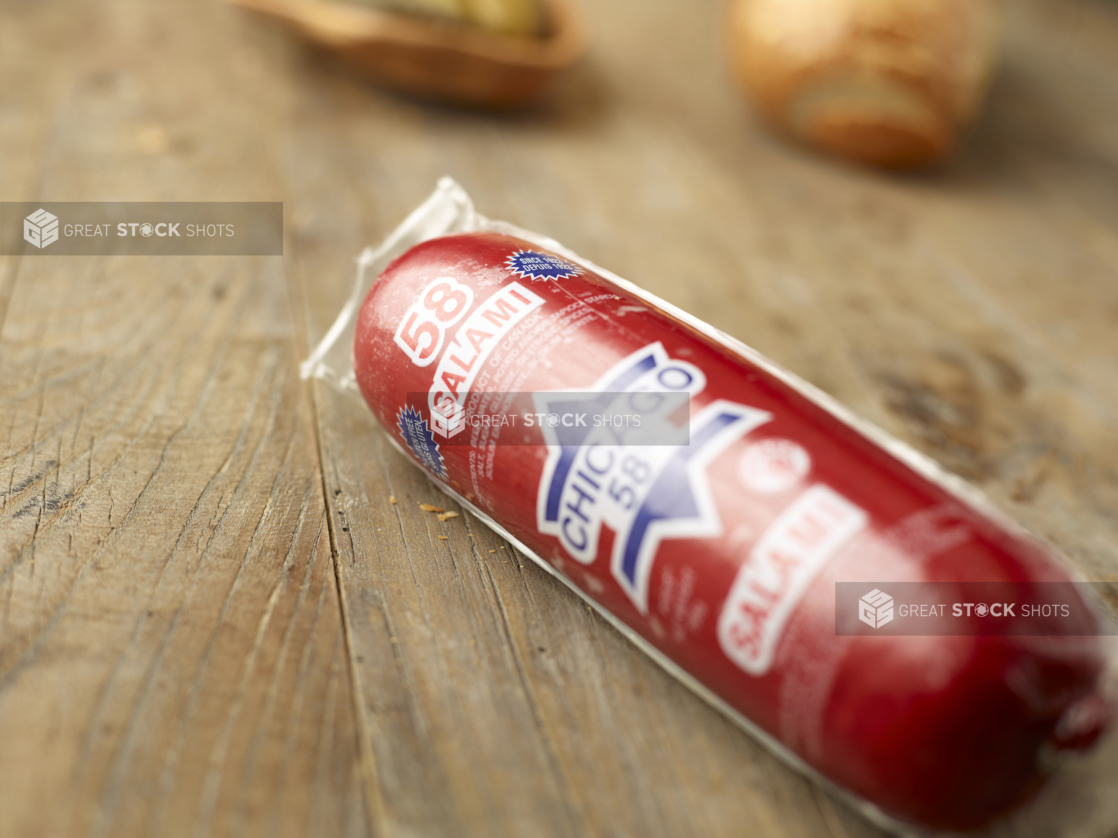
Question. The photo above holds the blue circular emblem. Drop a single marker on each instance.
(528, 264)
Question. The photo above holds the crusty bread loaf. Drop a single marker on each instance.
(886, 82)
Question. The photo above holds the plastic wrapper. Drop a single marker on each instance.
(871, 619)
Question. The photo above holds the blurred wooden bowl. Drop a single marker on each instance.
(450, 62)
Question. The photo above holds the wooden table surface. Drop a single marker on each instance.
(212, 620)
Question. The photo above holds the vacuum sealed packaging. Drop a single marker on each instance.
(794, 565)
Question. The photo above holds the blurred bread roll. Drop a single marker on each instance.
(885, 82)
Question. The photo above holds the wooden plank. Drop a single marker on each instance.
(24, 121)
(171, 651)
(931, 303)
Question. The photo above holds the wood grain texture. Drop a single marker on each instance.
(172, 660)
(179, 654)
(934, 304)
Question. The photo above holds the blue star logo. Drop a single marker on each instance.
(421, 440)
(644, 493)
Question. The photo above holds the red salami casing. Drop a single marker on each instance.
(724, 554)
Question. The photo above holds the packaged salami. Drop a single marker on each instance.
(870, 618)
